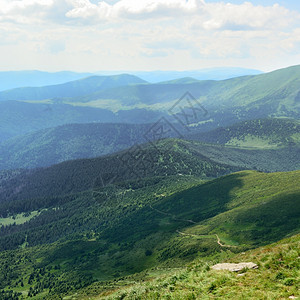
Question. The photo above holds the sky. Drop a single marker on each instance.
(145, 35)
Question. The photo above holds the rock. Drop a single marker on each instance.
(235, 267)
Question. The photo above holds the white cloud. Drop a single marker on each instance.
(133, 9)
(84, 9)
(134, 34)
(25, 11)
(158, 8)
(246, 16)
(208, 16)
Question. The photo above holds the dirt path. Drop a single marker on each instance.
(199, 235)
(223, 245)
(190, 234)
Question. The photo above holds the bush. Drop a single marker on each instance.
(289, 281)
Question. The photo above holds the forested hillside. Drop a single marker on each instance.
(19, 118)
(161, 158)
(54, 145)
(110, 232)
(259, 133)
(274, 144)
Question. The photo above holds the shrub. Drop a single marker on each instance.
(289, 281)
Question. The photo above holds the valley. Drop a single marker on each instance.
(107, 193)
(149, 150)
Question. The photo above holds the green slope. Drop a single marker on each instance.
(133, 226)
(281, 83)
(277, 277)
(260, 133)
(262, 207)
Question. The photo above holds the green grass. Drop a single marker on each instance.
(18, 218)
(258, 210)
(252, 142)
(278, 277)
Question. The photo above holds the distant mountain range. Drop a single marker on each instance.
(16, 79)
(271, 94)
(71, 89)
(33, 78)
(128, 99)
(203, 74)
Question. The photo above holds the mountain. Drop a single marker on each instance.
(151, 220)
(158, 158)
(258, 133)
(201, 105)
(274, 88)
(204, 74)
(92, 241)
(274, 94)
(18, 118)
(73, 141)
(244, 90)
(75, 88)
(54, 145)
(15, 79)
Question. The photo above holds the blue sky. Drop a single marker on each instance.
(93, 35)
(291, 4)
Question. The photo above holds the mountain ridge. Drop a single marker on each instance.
(218, 103)
(75, 88)
(17, 79)
(159, 158)
(75, 141)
